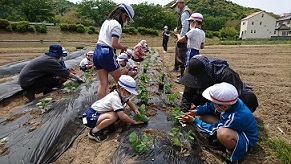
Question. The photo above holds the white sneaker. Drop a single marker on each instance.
(165, 52)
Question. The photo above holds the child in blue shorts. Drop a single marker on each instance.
(107, 110)
(227, 116)
(104, 57)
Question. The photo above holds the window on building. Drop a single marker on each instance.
(284, 33)
(288, 22)
(260, 23)
(252, 23)
(244, 23)
(274, 32)
(289, 32)
(254, 31)
(251, 31)
(262, 15)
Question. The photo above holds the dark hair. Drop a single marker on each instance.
(199, 22)
(116, 14)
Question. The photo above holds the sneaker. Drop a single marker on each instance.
(177, 81)
(110, 129)
(174, 70)
(228, 158)
(29, 95)
(98, 136)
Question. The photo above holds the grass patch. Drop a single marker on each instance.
(281, 148)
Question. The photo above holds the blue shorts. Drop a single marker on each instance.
(105, 58)
(241, 147)
(90, 118)
(189, 54)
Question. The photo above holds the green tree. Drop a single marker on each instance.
(38, 10)
(228, 33)
(97, 10)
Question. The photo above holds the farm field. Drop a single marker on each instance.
(266, 68)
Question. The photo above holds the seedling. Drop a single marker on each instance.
(143, 144)
(168, 86)
(44, 103)
(176, 113)
(141, 117)
(161, 78)
(143, 77)
(171, 97)
(180, 140)
(141, 86)
(89, 73)
(146, 65)
(143, 96)
(71, 87)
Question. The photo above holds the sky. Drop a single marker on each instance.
(276, 6)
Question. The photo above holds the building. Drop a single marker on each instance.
(259, 25)
(283, 27)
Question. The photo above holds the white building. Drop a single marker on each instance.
(259, 25)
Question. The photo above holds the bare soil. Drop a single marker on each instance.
(266, 68)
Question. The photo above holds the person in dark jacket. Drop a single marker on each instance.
(44, 73)
(166, 35)
(204, 72)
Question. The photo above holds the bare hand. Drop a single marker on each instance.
(186, 118)
(136, 112)
(124, 48)
(138, 122)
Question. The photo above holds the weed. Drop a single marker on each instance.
(141, 145)
(281, 148)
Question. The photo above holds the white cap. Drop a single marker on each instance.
(90, 53)
(129, 10)
(122, 57)
(128, 83)
(222, 93)
(196, 17)
(129, 52)
(175, 3)
(143, 43)
(65, 52)
(166, 27)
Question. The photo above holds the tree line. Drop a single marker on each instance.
(218, 14)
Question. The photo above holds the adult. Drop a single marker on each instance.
(229, 117)
(195, 37)
(44, 73)
(104, 57)
(182, 28)
(166, 35)
(204, 72)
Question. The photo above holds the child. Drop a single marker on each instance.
(125, 67)
(139, 51)
(106, 111)
(104, 57)
(129, 59)
(87, 63)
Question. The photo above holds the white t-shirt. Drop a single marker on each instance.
(109, 28)
(131, 62)
(195, 37)
(109, 103)
(84, 62)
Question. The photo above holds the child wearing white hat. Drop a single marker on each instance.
(87, 62)
(139, 51)
(106, 111)
(104, 57)
(228, 117)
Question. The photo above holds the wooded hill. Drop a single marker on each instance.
(217, 13)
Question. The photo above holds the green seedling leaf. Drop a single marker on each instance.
(47, 100)
(133, 137)
(177, 142)
(39, 104)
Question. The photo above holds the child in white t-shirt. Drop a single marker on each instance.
(105, 112)
(125, 66)
(87, 62)
(129, 59)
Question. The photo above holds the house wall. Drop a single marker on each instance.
(260, 26)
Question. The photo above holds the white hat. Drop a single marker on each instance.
(128, 83)
(65, 52)
(122, 57)
(90, 53)
(166, 27)
(222, 93)
(129, 52)
(143, 43)
(196, 17)
(175, 3)
(129, 10)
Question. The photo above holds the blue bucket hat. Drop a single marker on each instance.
(56, 51)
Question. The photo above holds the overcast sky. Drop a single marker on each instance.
(276, 6)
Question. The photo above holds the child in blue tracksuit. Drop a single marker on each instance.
(228, 116)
